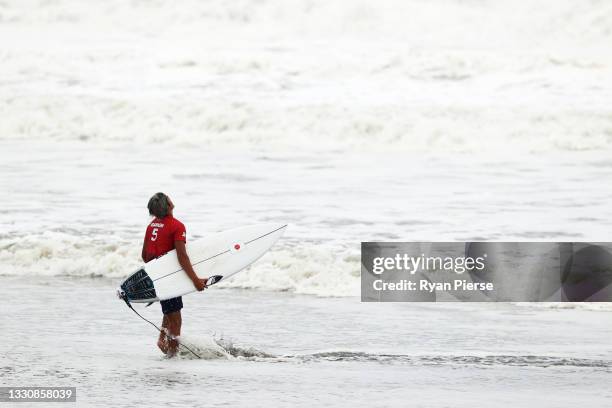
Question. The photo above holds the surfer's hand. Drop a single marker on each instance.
(200, 284)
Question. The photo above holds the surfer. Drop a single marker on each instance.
(164, 234)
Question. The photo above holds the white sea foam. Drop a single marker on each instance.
(309, 269)
(62, 254)
(320, 270)
(315, 75)
(594, 306)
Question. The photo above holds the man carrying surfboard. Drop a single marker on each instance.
(164, 234)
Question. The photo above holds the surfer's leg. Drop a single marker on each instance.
(174, 328)
(161, 340)
(172, 324)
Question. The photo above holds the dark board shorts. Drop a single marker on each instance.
(172, 305)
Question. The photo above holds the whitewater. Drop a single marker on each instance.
(309, 75)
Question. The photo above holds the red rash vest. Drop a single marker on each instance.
(160, 236)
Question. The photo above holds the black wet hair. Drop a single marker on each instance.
(158, 205)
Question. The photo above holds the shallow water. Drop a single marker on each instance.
(300, 350)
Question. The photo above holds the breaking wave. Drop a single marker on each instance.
(327, 270)
(399, 75)
(321, 270)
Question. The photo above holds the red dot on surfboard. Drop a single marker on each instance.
(237, 247)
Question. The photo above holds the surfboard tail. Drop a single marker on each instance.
(138, 288)
(213, 279)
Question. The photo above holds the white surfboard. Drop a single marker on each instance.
(217, 256)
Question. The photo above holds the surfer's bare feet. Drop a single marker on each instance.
(172, 346)
(162, 340)
(163, 346)
(171, 352)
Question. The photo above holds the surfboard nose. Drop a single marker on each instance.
(277, 228)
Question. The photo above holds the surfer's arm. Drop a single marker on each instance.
(144, 253)
(185, 263)
(146, 256)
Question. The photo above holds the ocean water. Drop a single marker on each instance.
(349, 120)
(279, 349)
(77, 211)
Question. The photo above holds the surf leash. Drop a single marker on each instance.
(168, 336)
